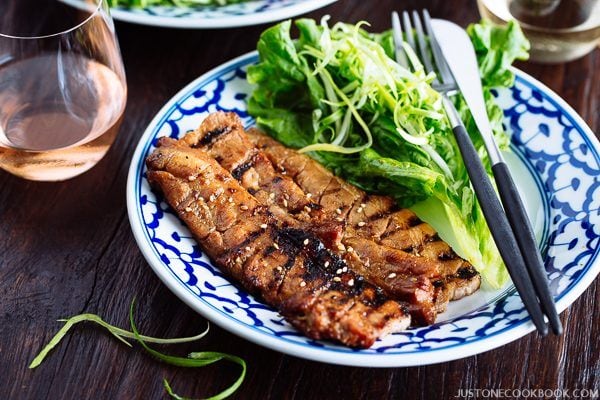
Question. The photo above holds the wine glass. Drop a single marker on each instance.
(62, 87)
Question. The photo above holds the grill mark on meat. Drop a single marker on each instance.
(386, 231)
(414, 221)
(463, 283)
(353, 314)
(212, 135)
(240, 170)
(446, 256)
(251, 238)
(316, 192)
(438, 283)
(466, 272)
(334, 197)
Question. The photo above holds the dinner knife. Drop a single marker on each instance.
(462, 62)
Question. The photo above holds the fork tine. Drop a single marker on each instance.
(422, 42)
(444, 71)
(398, 40)
(408, 30)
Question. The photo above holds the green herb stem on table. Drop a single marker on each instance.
(193, 360)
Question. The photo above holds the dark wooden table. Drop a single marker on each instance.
(67, 248)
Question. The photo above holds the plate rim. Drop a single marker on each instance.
(234, 21)
(432, 356)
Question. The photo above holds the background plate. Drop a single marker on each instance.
(556, 161)
(234, 15)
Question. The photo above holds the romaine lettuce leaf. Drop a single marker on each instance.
(497, 47)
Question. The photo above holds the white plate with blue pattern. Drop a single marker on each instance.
(555, 162)
(228, 16)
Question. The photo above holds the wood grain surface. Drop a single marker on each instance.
(67, 248)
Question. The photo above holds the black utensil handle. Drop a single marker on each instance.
(521, 226)
(499, 227)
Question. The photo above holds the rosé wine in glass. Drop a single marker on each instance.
(62, 95)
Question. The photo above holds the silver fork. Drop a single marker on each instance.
(517, 248)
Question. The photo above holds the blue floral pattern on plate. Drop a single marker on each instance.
(550, 140)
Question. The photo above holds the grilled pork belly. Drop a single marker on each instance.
(270, 253)
(391, 248)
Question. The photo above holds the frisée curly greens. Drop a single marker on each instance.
(336, 93)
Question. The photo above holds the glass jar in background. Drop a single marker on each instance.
(62, 87)
(559, 30)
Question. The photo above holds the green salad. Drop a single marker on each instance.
(336, 93)
(176, 3)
